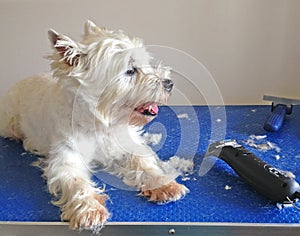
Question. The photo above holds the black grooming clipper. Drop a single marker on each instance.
(277, 185)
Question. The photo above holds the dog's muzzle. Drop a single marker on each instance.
(168, 84)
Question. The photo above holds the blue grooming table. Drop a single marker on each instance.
(219, 203)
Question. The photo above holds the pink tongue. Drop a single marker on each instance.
(153, 108)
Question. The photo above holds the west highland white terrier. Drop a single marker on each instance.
(89, 113)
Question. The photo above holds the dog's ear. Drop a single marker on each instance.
(66, 47)
(91, 28)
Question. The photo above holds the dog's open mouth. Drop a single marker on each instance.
(148, 109)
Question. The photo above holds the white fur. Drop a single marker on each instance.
(80, 117)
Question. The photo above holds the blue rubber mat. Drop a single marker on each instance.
(219, 196)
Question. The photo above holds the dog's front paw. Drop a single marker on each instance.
(88, 214)
(167, 193)
(91, 219)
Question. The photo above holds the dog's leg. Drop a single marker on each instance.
(145, 174)
(69, 180)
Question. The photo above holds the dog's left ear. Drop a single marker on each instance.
(91, 28)
(66, 47)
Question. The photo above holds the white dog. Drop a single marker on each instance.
(88, 113)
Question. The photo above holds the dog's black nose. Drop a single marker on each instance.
(168, 84)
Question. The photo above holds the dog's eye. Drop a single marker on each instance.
(131, 71)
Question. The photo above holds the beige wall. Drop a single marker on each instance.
(250, 47)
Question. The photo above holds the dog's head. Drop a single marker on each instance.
(112, 70)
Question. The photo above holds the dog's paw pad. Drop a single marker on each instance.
(167, 193)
